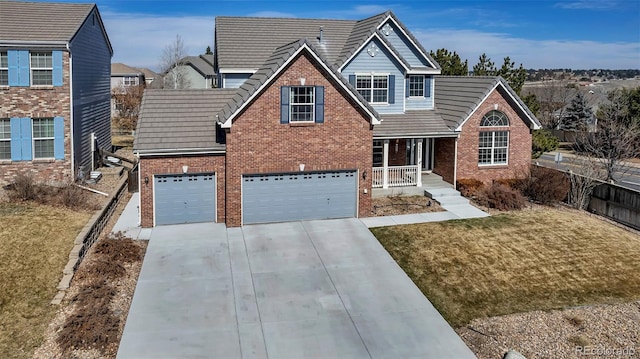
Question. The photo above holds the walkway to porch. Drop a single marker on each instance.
(429, 181)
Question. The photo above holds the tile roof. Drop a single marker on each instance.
(203, 64)
(68, 19)
(120, 69)
(247, 42)
(419, 123)
(179, 120)
(271, 66)
(456, 97)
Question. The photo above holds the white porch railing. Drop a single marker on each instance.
(396, 176)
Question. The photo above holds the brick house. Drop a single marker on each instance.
(49, 123)
(312, 117)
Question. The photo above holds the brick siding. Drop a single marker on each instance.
(519, 154)
(173, 165)
(35, 102)
(444, 158)
(258, 143)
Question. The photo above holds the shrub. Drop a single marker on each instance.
(543, 141)
(24, 188)
(501, 197)
(513, 183)
(72, 197)
(469, 187)
(545, 185)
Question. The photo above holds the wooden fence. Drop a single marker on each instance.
(617, 203)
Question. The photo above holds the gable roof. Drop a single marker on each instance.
(120, 69)
(68, 20)
(276, 63)
(203, 64)
(458, 97)
(179, 121)
(247, 42)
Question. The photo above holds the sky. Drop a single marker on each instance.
(576, 34)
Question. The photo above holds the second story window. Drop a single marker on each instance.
(5, 139)
(41, 69)
(302, 104)
(4, 69)
(130, 81)
(416, 85)
(374, 88)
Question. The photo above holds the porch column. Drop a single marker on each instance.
(385, 164)
(419, 163)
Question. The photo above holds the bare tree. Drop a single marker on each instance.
(553, 96)
(585, 174)
(171, 64)
(615, 139)
(127, 100)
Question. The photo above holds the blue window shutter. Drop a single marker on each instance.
(23, 68)
(319, 104)
(25, 139)
(57, 68)
(392, 89)
(284, 104)
(406, 87)
(16, 150)
(14, 66)
(58, 135)
(427, 86)
(352, 80)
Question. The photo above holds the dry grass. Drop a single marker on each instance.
(394, 205)
(521, 261)
(122, 141)
(34, 247)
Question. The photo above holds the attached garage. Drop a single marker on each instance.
(185, 198)
(299, 196)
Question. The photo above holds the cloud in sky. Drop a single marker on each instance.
(138, 40)
(587, 5)
(469, 44)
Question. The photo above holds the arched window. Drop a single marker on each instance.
(494, 145)
(494, 118)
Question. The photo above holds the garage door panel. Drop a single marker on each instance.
(186, 198)
(299, 196)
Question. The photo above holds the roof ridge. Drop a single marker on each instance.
(284, 18)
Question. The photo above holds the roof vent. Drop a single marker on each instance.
(321, 37)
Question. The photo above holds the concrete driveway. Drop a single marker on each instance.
(312, 289)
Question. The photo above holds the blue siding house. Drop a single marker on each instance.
(54, 90)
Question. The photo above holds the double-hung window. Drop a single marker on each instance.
(4, 69)
(302, 104)
(130, 81)
(5, 139)
(374, 88)
(416, 86)
(494, 144)
(43, 138)
(41, 68)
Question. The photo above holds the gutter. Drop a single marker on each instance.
(179, 152)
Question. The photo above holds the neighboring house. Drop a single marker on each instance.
(197, 72)
(151, 78)
(54, 89)
(126, 76)
(312, 115)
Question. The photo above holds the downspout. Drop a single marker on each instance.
(455, 162)
(71, 127)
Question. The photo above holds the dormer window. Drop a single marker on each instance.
(416, 85)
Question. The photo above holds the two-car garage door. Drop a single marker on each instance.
(298, 196)
(185, 198)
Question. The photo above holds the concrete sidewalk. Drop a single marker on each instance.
(456, 211)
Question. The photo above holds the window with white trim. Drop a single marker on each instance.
(43, 138)
(416, 85)
(5, 139)
(4, 69)
(41, 68)
(302, 104)
(130, 81)
(374, 88)
(494, 145)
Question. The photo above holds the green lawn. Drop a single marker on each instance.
(516, 262)
(34, 248)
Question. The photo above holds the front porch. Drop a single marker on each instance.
(409, 185)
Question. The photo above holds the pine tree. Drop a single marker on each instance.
(208, 51)
(578, 115)
(484, 67)
(451, 63)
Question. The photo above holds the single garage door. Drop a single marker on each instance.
(187, 198)
(298, 196)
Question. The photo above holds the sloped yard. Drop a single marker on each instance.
(34, 248)
(521, 261)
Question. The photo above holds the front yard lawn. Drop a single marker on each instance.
(537, 259)
(35, 241)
